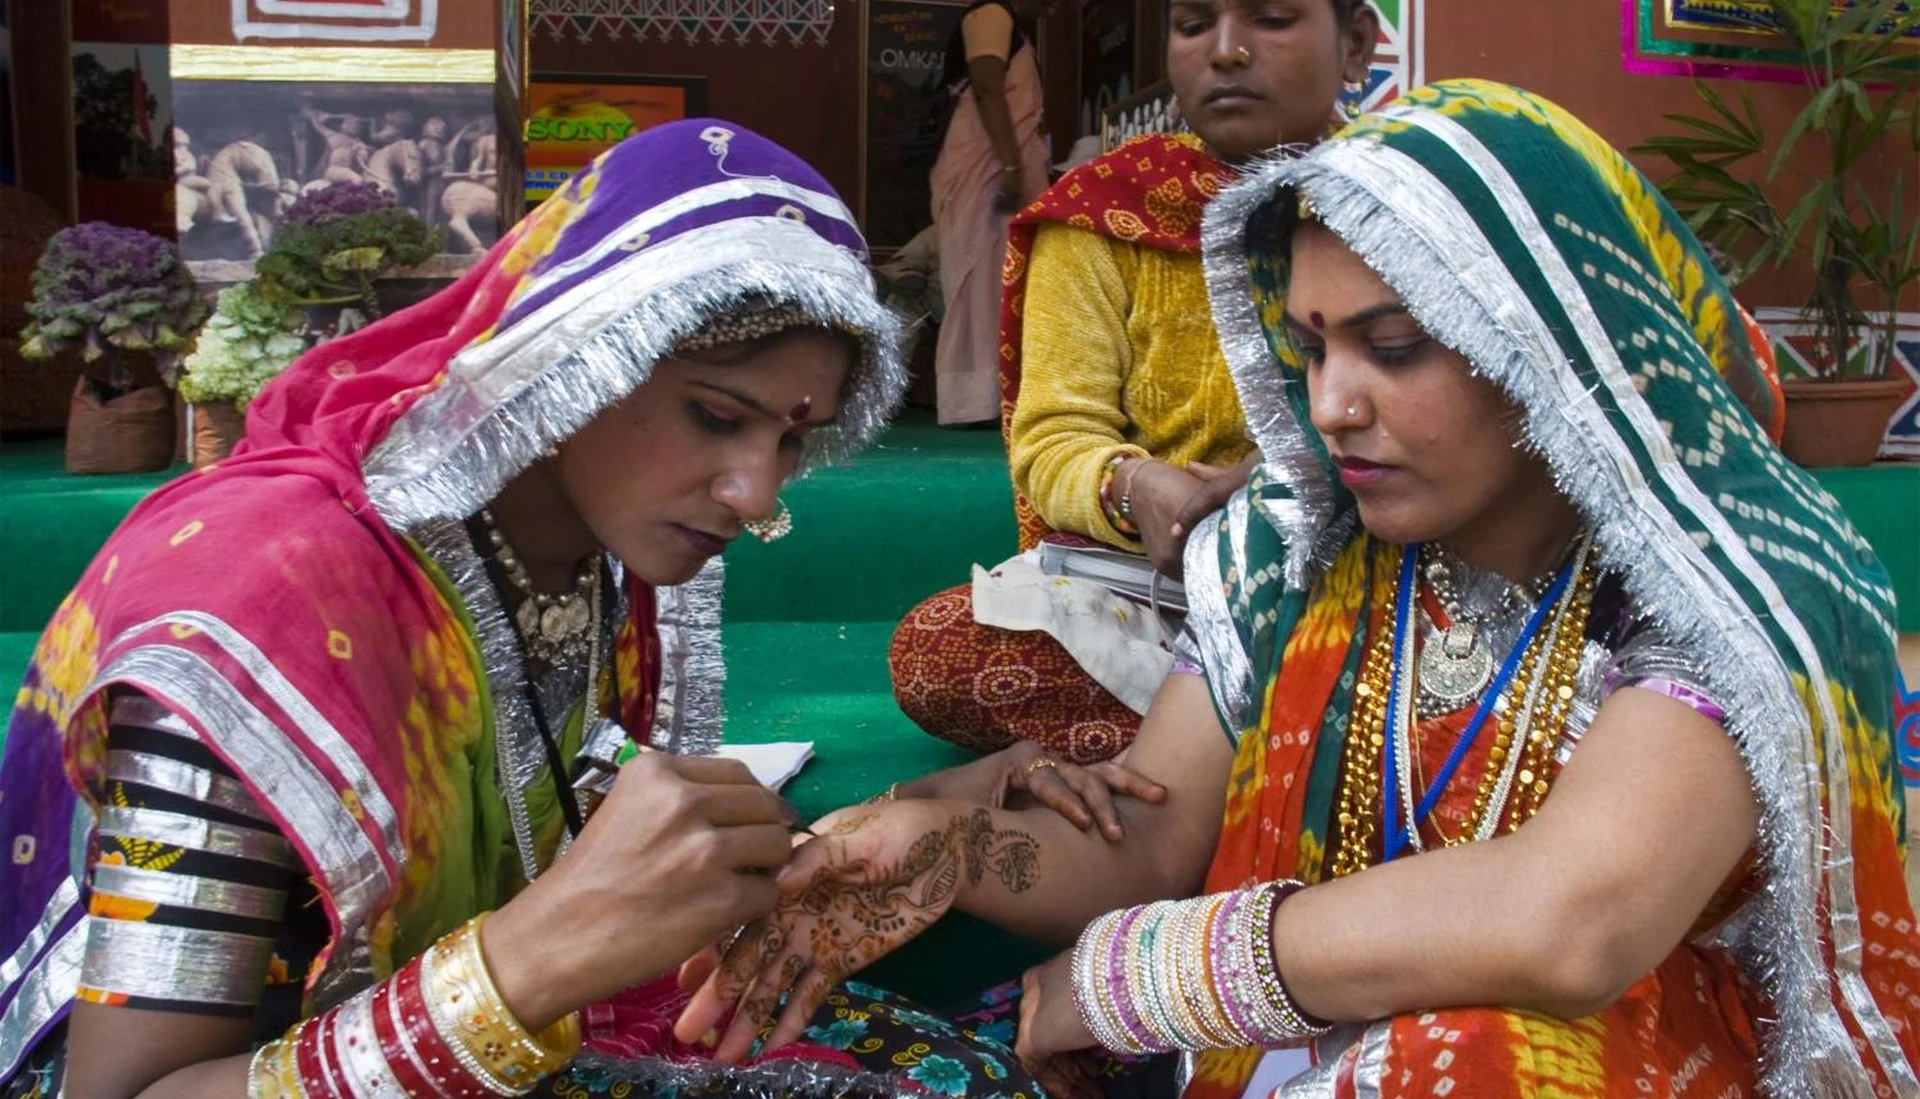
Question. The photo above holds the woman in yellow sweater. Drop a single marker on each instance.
(1117, 403)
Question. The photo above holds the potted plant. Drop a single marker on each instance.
(123, 299)
(332, 246)
(1863, 253)
(246, 344)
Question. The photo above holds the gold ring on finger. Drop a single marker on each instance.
(1039, 763)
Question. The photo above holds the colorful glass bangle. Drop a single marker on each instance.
(437, 1029)
(407, 1006)
(1189, 975)
(402, 1049)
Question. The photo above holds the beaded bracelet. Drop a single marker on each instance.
(1118, 509)
(1189, 975)
(438, 1027)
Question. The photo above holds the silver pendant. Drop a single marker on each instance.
(527, 617)
(559, 622)
(1454, 666)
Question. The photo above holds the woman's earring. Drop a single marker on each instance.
(1351, 93)
(774, 529)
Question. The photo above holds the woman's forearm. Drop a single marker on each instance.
(1646, 823)
(1165, 848)
(1349, 952)
(989, 79)
(1035, 874)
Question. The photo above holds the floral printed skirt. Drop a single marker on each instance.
(864, 1043)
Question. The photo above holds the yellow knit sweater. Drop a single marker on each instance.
(1118, 355)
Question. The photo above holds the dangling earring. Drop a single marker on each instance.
(1349, 102)
(774, 529)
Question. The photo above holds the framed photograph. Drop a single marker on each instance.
(571, 119)
(245, 151)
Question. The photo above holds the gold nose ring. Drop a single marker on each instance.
(1243, 55)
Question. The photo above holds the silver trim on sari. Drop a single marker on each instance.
(305, 804)
(227, 898)
(509, 398)
(1462, 294)
(160, 962)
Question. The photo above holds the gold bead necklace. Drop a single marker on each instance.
(1528, 720)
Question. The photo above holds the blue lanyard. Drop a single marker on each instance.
(1397, 831)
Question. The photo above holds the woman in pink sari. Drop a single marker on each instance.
(318, 785)
(993, 161)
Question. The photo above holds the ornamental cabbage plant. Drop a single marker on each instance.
(104, 288)
(249, 341)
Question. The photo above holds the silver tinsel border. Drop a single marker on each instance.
(304, 803)
(453, 452)
(1210, 621)
(690, 712)
(1487, 318)
(519, 757)
(1285, 452)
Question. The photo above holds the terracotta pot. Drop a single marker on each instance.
(1839, 423)
(217, 426)
(129, 433)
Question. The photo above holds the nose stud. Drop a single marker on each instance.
(1352, 411)
(774, 529)
(1243, 55)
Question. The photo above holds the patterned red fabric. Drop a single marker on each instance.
(983, 687)
(1149, 191)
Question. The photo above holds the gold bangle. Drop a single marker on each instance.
(469, 1012)
(891, 793)
(274, 1071)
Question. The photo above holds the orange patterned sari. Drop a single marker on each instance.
(1523, 241)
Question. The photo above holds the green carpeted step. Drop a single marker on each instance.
(907, 518)
(51, 525)
(826, 682)
(870, 539)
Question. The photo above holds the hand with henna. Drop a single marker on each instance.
(876, 877)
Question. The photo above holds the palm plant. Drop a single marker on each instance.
(1863, 82)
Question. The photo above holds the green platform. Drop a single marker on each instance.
(807, 623)
(807, 620)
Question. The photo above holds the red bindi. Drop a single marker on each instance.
(799, 411)
(1317, 319)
